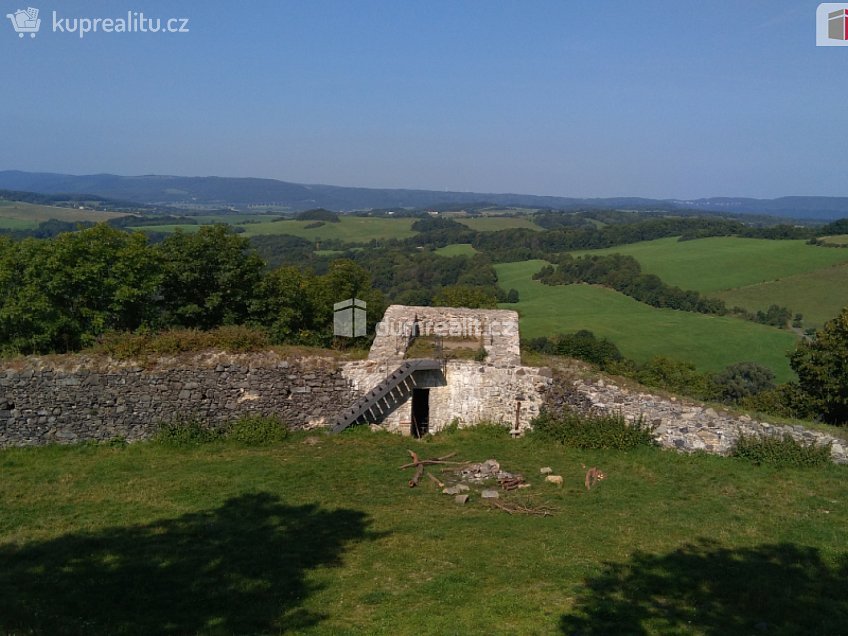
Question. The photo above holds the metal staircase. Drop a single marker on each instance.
(370, 403)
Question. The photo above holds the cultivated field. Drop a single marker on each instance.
(329, 539)
(641, 331)
(15, 215)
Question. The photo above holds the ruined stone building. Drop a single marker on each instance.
(431, 366)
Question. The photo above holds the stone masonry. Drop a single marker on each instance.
(74, 398)
(498, 390)
(682, 425)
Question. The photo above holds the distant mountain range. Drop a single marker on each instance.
(242, 192)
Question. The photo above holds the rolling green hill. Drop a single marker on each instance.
(713, 264)
(351, 229)
(818, 295)
(751, 273)
(641, 331)
(16, 215)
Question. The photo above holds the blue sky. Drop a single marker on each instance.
(658, 99)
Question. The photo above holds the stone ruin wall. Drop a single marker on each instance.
(497, 329)
(74, 398)
(468, 392)
(682, 425)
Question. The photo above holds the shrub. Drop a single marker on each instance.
(785, 400)
(480, 354)
(741, 380)
(257, 430)
(780, 451)
(822, 368)
(234, 338)
(674, 375)
(185, 432)
(600, 432)
(583, 345)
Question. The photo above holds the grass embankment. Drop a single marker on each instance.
(639, 330)
(328, 539)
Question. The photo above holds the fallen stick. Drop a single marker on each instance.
(513, 509)
(434, 479)
(418, 472)
(416, 461)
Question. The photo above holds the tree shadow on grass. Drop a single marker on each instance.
(707, 589)
(237, 569)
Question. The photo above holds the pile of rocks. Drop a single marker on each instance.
(484, 471)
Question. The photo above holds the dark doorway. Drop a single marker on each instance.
(420, 412)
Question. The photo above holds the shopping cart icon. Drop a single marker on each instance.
(25, 21)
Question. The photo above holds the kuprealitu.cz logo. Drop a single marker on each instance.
(28, 22)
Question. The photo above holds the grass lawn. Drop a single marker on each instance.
(713, 264)
(351, 229)
(818, 295)
(458, 249)
(16, 215)
(495, 223)
(328, 539)
(641, 331)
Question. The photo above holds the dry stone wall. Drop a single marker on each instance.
(681, 425)
(78, 399)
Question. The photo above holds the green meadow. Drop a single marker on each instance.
(836, 239)
(16, 215)
(818, 295)
(495, 223)
(168, 229)
(720, 263)
(639, 330)
(351, 229)
(327, 538)
(457, 249)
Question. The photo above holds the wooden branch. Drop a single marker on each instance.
(435, 480)
(418, 464)
(521, 509)
(429, 462)
(418, 472)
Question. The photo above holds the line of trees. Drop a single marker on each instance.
(624, 274)
(62, 294)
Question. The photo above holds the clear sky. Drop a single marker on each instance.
(573, 98)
